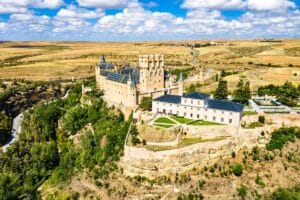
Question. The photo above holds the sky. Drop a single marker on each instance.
(144, 20)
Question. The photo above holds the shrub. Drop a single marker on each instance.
(261, 119)
(237, 169)
(242, 191)
(233, 154)
(255, 153)
(281, 136)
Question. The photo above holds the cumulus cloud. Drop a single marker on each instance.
(103, 3)
(260, 5)
(74, 19)
(137, 21)
(28, 22)
(75, 12)
(215, 4)
(21, 6)
(2, 26)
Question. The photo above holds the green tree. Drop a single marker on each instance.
(221, 92)
(288, 94)
(191, 88)
(223, 73)
(4, 127)
(242, 92)
(146, 103)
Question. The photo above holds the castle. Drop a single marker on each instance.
(126, 87)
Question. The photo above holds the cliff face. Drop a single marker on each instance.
(140, 161)
(22, 100)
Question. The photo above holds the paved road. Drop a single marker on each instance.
(16, 128)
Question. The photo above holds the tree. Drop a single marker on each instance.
(288, 94)
(221, 92)
(247, 91)
(146, 103)
(242, 93)
(191, 88)
(223, 73)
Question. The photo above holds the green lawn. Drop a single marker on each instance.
(204, 123)
(182, 120)
(184, 142)
(164, 120)
(163, 125)
(249, 113)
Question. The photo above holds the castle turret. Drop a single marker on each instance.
(132, 92)
(102, 58)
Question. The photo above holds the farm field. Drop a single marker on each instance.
(262, 62)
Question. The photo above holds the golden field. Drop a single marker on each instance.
(261, 62)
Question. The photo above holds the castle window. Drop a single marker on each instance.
(214, 118)
(191, 101)
(198, 116)
(184, 114)
(191, 114)
(230, 121)
(205, 116)
(222, 119)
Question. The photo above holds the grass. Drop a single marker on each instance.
(249, 113)
(204, 123)
(164, 120)
(184, 142)
(182, 120)
(163, 125)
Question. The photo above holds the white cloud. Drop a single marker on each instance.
(21, 6)
(2, 26)
(261, 5)
(213, 4)
(73, 19)
(75, 12)
(28, 23)
(135, 19)
(6, 9)
(103, 3)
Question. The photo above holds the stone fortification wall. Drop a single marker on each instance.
(140, 161)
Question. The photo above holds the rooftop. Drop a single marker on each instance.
(224, 105)
(196, 95)
(169, 99)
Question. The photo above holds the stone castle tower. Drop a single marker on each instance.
(151, 72)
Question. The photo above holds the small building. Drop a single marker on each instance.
(199, 106)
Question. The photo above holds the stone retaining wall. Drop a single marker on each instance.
(140, 161)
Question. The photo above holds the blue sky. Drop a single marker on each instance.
(139, 20)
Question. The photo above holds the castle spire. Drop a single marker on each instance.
(181, 76)
(102, 58)
(131, 81)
